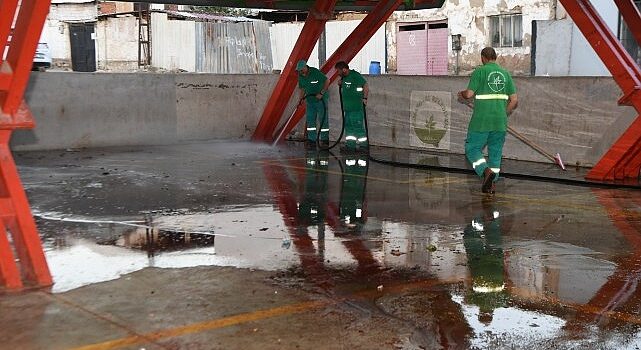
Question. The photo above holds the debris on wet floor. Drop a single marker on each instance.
(386, 256)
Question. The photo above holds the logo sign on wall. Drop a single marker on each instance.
(430, 113)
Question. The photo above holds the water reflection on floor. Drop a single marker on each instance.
(538, 264)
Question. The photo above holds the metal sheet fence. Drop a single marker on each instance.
(233, 48)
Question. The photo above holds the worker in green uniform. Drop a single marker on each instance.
(354, 91)
(312, 87)
(353, 187)
(483, 241)
(494, 100)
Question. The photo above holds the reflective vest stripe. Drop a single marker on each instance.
(492, 97)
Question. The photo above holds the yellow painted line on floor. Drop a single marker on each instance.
(206, 325)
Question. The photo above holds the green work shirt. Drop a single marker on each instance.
(313, 83)
(492, 86)
(352, 88)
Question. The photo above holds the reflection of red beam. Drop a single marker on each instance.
(282, 189)
(367, 264)
(622, 289)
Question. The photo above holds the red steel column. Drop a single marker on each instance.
(631, 16)
(620, 161)
(348, 50)
(314, 25)
(15, 213)
(24, 42)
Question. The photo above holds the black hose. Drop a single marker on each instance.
(571, 182)
(338, 140)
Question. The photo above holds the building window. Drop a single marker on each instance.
(627, 38)
(506, 30)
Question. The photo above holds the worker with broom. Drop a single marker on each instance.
(494, 99)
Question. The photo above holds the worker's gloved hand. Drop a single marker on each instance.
(319, 96)
(365, 101)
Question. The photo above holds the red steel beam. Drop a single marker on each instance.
(347, 51)
(314, 26)
(7, 14)
(23, 229)
(631, 16)
(24, 41)
(620, 161)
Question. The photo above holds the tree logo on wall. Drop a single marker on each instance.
(496, 81)
(430, 119)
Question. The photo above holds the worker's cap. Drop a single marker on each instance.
(300, 65)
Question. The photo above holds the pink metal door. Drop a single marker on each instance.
(411, 43)
(437, 37)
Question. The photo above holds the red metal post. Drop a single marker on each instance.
(24, 41)
(7, 14)
(631, 16)
(621, 160)
(15, 214)
(347, 51)
(314, 25)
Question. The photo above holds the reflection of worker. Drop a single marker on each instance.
(312, 86)
(352, 200)
(313, 203)
(495, 99)
(483, 246)
(354, 91)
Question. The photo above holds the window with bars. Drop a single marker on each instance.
(506, 30)
(627, 38)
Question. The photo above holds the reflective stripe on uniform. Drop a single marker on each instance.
(478, 162)
(492, 97)
(362, 162)
(311, 129)
(350, 162)
(359, 89)
(350, 138)
(324, 130)
(362, 139)
(495, 170)
(359, 213)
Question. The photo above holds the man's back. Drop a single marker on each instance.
(492, 86)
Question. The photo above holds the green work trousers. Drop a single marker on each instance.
(316, 116)
(355, 135)
(474, 145)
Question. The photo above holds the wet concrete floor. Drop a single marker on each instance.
(244, 246)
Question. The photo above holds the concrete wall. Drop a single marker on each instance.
(577, 117)
(562, 50)
(75, 110)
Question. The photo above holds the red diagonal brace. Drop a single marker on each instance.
(347, 51)
(7, 14)
(19, 221)
(631, 16)
(15, 214)
(314, 25)
(620, 161)
(24, 41)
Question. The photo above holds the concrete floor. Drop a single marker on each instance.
(243, 246)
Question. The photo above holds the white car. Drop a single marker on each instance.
(42, 59)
